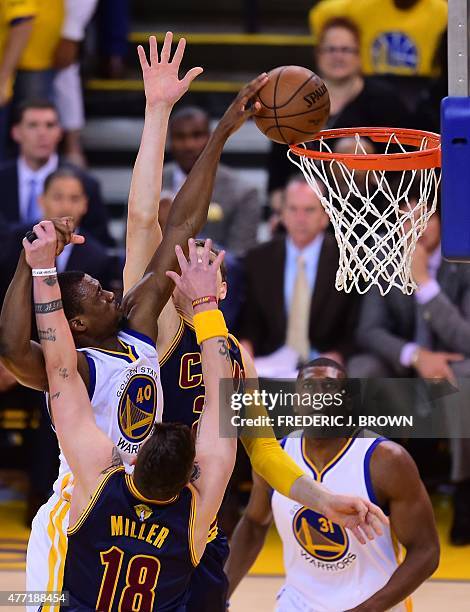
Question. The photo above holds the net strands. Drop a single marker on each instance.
(375, 220)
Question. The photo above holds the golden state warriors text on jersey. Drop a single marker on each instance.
(137, 407)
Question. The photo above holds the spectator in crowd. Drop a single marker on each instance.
(113, 21)
(426, 335)
(397, 37)
(35, 75)
(65, 196)
(234, 212)
(16, 24)
(68, 94)
(355, 101)
(37, 132)
(291, 298)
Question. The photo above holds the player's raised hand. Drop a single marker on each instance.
(363, 518)
(198, 275)
(161, 82)
(243, 107)
(40, 253)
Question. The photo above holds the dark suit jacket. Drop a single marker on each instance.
(95, 221)
(90, 257)
(387, 323)
(264, 321)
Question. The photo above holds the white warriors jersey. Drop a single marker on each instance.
(126, 395)
(327, 570)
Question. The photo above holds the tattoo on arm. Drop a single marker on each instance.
(47, 334)
(116, 460)
(196, 472)
(50, 280)
(55, 396)
(224, 349)
(63, 372)
(44, 308)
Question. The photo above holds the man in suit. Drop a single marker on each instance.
(426, 335)
(64, 196)
(37, 132)
(234, 212)
(291, 297)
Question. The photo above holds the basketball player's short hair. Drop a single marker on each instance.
(165, 462)
(69, 283)
(188, 112)
(33, 104)
(340, 22)
(64, 172)
(214, 251)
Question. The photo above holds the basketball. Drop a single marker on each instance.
(295, 105)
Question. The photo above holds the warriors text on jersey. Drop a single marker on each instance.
(127, 552)
(327, 570)
(181, 373)
(126, 396)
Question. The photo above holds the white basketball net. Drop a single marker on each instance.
(376, 227)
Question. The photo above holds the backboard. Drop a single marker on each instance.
(455, 131)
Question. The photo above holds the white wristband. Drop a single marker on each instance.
(44, 271)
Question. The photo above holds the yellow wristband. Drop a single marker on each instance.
(209, 324)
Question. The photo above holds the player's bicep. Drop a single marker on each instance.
(86, 448)
(398, 481)
(141, 244)
(29, 369)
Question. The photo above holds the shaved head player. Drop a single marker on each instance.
(326, 571)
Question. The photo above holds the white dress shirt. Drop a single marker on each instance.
(26, 175)
(424, 294)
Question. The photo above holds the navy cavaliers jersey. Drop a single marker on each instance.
(126, 552)
(181, 375)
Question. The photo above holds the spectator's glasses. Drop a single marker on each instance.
(330, 49)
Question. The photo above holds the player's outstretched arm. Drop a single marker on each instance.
(87, 449)
(188, 215)
(215, 455)
(18, 353)
(396, 482)
(163, 89)
(249, 535)
(281, 473)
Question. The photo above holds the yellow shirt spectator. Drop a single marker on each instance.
(393, 40)
(39, 52)
(12, 11)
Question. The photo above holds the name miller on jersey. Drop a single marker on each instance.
(151, 533)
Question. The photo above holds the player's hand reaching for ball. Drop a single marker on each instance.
(360, 516)
(243, 107)
(198, 275)
(161, 82)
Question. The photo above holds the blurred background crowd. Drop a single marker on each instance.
(71, 107)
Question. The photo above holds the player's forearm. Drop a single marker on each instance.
(418, 565)
(216, 367)
(15, 318)
(53, 330)
(15, 44)
(143, 230)
(245, 545)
